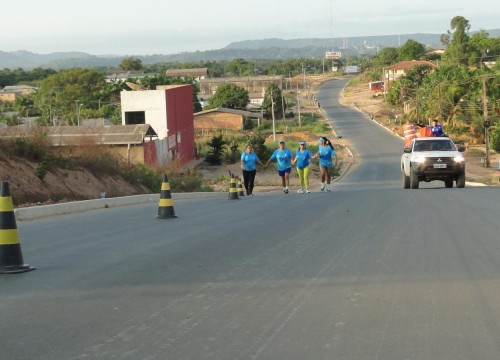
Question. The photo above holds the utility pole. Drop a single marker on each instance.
(272, 112)
(486, 124)
(298, 103)
(283, 104)
(440, 107)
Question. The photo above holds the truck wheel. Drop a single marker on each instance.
(413, 180)
(461, 180)
(406, 180)
(448, 183)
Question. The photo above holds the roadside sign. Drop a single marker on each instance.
(333, 54)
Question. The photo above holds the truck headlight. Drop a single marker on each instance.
(419, 159)
(459, 158)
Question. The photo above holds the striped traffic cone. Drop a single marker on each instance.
(240, 187)
(233, 191)
(166, 206)
(11, 258)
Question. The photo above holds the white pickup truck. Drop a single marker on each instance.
(433, 158)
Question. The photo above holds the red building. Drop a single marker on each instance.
(169, 111)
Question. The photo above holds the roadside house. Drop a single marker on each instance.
(10, 93)
(222, 119)
(195, 73)
(169, 111)
(400, 69)
(133, 143)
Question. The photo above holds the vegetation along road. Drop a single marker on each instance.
(368, 271)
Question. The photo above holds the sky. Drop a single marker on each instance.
(126, 27)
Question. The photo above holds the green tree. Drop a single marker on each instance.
(240, 67)
(458, 48)
(483, 48)
(411, 50)
(131, 63)
(386, 56)
(273, 94)
(64, 94)
(229, 96)
(495, 139)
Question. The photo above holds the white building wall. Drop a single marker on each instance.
(153, 103)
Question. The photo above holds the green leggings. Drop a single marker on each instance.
(304, 177)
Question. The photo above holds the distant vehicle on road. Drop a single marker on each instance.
(433, 158)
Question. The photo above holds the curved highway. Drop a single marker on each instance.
(368, 271)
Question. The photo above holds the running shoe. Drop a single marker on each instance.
(285, 191)
(307, 191)
(322, 187)
(300, 191)
(328, 188)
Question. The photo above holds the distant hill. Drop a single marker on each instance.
(358, 42)
(249, 49)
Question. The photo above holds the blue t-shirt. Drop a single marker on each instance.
(325, 155)
(283, 159)
(249, 159)
(437, 131)
(303, 158)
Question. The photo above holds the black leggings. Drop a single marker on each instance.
(248, 179)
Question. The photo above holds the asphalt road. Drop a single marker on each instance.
(369, 271)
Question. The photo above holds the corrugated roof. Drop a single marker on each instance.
(87, 135)
(187, 72)
(243, 79)
(406, 65)
(230, 111)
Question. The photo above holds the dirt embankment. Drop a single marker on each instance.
(59, 185)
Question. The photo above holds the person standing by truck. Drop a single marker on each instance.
(437, 130)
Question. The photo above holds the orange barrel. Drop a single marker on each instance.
(410, 133)
(425, 132)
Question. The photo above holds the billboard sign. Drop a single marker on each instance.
(352, 69)
(333, 54)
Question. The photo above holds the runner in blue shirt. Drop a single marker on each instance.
(302, 159)
(283, 159)
(325, 154)
(248, 162)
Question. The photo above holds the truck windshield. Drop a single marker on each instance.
(434, 145)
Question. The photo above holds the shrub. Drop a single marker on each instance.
(188, 182)
(234, 153)
(217, 148)
(495, 139)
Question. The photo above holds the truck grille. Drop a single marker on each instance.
(429, 163)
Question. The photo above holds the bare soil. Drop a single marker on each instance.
(59, 185)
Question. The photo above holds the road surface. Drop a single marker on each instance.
(368, 271)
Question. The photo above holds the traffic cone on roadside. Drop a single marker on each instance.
(240, 187)
(166, 205)
(11, 258)
(233, 191)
